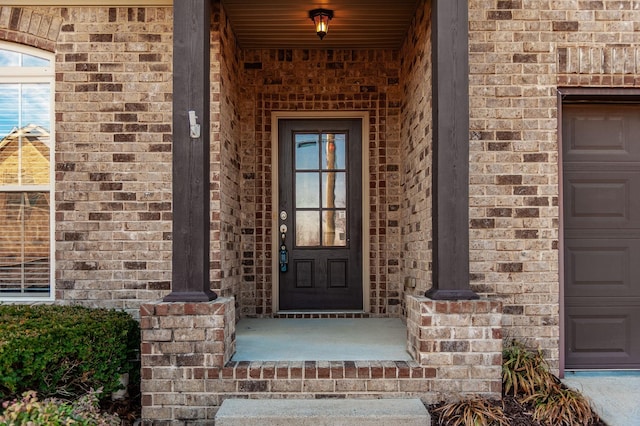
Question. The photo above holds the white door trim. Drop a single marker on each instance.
(275, 244)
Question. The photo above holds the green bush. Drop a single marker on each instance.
(30, 411)
(65, 350)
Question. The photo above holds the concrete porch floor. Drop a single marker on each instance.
(320, 339)
(613, 394)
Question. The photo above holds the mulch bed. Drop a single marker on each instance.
(517, 413)
(129, 409)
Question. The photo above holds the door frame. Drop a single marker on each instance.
(276, 116)
(566, 95)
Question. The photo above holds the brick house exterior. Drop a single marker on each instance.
(113, 187)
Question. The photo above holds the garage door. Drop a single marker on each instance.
(601, 160)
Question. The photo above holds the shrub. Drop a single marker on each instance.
(524, 371)
(29, 410)
(557, 405)
(526, 375)
(65, 350)
(471, 412)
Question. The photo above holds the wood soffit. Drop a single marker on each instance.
(357, 24)
(369, 24)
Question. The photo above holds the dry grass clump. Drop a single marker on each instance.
(527, 380)
(475, 412)
(524, 371)
(525, 375)
(558, 405)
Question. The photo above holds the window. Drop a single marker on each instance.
(321, 189)
(26, 183)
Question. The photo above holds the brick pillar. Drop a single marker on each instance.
(181, 344)
(461, 340)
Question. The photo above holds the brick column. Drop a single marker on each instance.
(461, 340)
(181, 344)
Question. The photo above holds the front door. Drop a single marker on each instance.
(320, 214)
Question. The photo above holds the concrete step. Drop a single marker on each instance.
(322, 412)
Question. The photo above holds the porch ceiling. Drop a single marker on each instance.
(369, 24)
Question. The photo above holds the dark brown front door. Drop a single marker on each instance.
(601, 160)
(320, 203)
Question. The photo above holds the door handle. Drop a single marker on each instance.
(284, 253)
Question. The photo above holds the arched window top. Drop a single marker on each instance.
(18, 56)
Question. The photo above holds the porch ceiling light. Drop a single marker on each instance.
(321, 18)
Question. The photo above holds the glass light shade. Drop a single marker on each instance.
(321, 18)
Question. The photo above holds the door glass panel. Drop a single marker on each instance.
(320, 189)
(334, 190)
(307, 228)
(334, 228)
(334, 151)
(307, 194)
(306, 151)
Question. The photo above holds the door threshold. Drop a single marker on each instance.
(320, 311)
(320, 314)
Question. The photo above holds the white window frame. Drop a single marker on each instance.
(36, 75)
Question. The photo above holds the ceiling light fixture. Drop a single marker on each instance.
(321, 18)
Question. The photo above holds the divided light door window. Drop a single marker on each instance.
(26, 187)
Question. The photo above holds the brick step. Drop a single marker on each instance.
(287, 370)
(322, 412)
